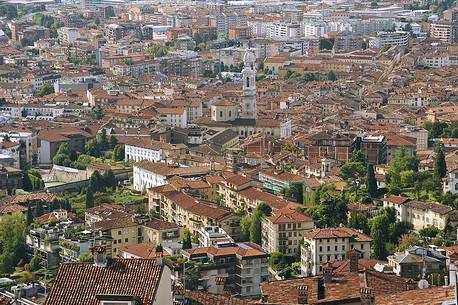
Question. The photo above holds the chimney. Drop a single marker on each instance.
(367, 296)
(302, 294)
(220, 284)
(100, 256)
(354, 255)
(327, 273)
(159, 254)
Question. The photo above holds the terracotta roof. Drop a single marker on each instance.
(5, 145)
(25, 198)
(159, 224)
(206, 298)
(340, 232)
(275, 202)
(396, 199)
(428, 296)
(288, 215)
(245, 249)
(143, 250)
(80, 283)
(238, 180)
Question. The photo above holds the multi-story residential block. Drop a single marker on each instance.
(439, 60)
(137, 150)
(444, 31)
(238, 268)
(395, 142)
(418, 133)
(212, 236)
(226, 21)
(135, 68)
(284, 230)
(417, 261)
(325, 245)
(283, 30)
(148, 174)
(280, 180)
(68, 35)
(190, 212)
(373, 148)
(336, 146)
(419, 214)
(174, 117)
(389, 39)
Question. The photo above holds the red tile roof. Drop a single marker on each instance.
(340, 232)
(288, 215)
(79, 283)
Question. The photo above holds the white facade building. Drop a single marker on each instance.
(389, 39)
(173, 117)
(138, 153)
(212, 236)
(324, 245)
(284, 30)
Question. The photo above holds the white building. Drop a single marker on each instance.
(68, 35)
(29, 139)
(10, 149)
(284, 30)
(324, 245)
(212, 236)
(173, 117)
(389, 39)
(439, 60)
(315, 29)
(450, 182)
(419, 214)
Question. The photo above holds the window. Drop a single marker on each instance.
(335, 248)
(126, 240)
(220, 114)
(321, 249)
(119, 233)
(248, 82)
(329, 248)
(362, 246)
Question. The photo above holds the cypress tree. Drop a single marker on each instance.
(89, 198)
(440, 167)
(29, 215)
(371, 182)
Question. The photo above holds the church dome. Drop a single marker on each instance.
(249, 57)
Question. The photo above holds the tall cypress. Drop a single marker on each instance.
(371, 182)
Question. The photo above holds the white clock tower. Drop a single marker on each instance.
(249, 86)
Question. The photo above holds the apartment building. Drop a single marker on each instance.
(212, 236)
(419, 214)
(444, 31)
(374, 149)
(148, 174)
(283, 231)
(389, 39)
(336, 146)
(68, 35)
(136, 68)
(283, 30)
(237, 268)
(137, 150)
(225, 21)
(325, 245)
(173, 117)
(439, 60)
(277, 181)
(192, 213)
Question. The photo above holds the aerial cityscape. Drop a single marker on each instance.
(228, 152)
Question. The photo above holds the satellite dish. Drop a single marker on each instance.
(422, 284)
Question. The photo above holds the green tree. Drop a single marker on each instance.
(62, 156)
(45, 89)
(429, 232)
(440, 167)
(264, 209)
(89, 198)
(103, 140)
(86, 258)
(12, 241)
(186, 242)
(96, 182)
(39, 209)
(34, 264)
(92, 148)
(371, 182)
(331, 212)
(245, 225)
(29, 215)
(118, 153)
(113, 142)
(255, 227)
(408, 240)
(358, 221)
(156, 51)
(109, 179)
(379, 225)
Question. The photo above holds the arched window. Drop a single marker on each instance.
(248, 82)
